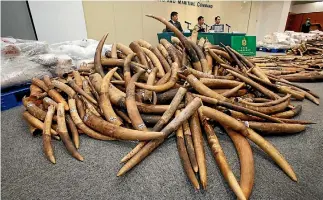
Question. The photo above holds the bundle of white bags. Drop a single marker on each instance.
(287, 39)
(21, 60)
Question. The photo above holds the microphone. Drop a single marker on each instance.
(188, 22)
(228, 25)
(206, 25)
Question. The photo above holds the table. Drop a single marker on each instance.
(213, 38)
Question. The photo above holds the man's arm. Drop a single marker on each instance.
(180, 27)
(167, 29)
(196, 28)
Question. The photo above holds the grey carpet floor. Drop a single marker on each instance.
(27, 174)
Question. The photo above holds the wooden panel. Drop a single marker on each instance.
(314, 18)
(320, 15)
(298, 22)
(317, 18)
(320, 19)
(294, 22)
(289, 22)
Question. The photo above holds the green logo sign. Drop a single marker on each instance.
(244, 42)
(246, 45)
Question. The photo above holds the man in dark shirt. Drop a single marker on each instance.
(306, 26)
(174, 20)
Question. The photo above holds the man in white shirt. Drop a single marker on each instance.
(217, 27)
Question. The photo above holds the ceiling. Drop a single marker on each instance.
(303, 2)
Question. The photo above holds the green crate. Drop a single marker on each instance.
(245, 45)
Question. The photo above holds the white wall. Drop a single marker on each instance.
(126, 21)
(57, 21)
(60, 21)
(253, 24)
(307, 8)
(255, 18)
(272, 17)
(284, 15)
(236, 14)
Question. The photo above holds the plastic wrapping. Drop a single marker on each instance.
(9, 50)
(52, 59)
(287, 39)
(24, 59)
(78, 49)
(20, 70)
(281, 38)
(26, 47)
(33, 48)
(317, 32)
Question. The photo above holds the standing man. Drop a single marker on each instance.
(306, 26)
(217, 27)
(199, 26)
(174, 20)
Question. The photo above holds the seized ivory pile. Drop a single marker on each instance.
(310, 47)
(187, 87)
(291, 68)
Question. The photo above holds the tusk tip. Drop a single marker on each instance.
(123, 160)
(57, 137)
(52, 160)
(80, 158)
(120, 173)
(204, 184)
(196, 169)
(294, 178)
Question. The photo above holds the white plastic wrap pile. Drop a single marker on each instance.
(21, 60)
(287, 39)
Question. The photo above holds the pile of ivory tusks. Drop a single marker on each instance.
(305, 68)
(310, 47)
(187, 87)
